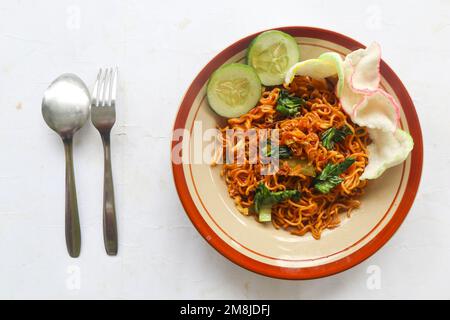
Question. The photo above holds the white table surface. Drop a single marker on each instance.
(159, 48)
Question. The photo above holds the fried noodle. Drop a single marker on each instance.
(313, 212)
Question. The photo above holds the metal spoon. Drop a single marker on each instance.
(65, 108)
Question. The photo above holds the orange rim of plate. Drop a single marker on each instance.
(350, 260)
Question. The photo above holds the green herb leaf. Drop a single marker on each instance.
(265, 213)
(329, 177)
(282, 152)
(327, 185)
(262, 193)
(288, 105)
(333, 135)
(264, 199)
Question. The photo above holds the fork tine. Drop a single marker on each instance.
(114, 86)
(105, 91)
(108, 97)
(95, 96)
(101, 88)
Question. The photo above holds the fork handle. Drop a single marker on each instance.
(109, 208)
(73, 233)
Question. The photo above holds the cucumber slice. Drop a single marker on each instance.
(233, 90)
(272, 53)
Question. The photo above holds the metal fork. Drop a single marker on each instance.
(103, 116)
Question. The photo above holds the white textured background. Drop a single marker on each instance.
(159, 48)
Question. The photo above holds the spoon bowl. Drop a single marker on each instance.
(65, 106)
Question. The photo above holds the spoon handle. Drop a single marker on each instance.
(73, 233)
(109, 208)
